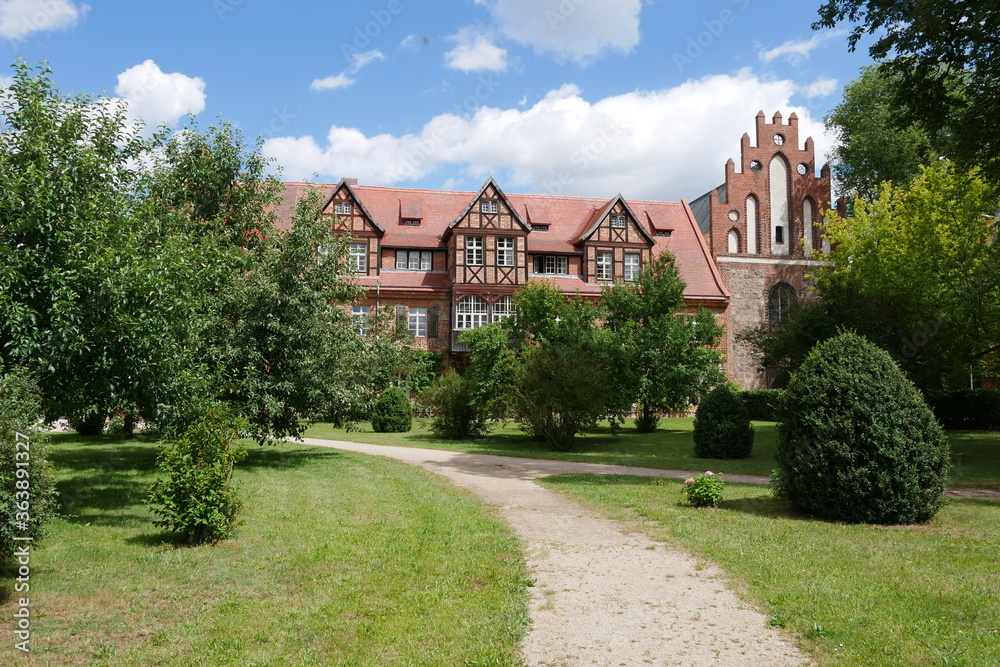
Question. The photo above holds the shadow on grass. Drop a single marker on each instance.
(276, 457)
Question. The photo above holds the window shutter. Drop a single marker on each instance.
(401, 318)
(432, 322)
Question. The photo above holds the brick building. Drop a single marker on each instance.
(448, 261)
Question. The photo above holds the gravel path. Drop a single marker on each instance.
(604, 593)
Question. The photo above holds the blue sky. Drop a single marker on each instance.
(647, 98)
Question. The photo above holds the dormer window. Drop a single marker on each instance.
(342, 209)
(489, 206)
(618, 221)
(665, 233)
(539, 228)
(411, 222)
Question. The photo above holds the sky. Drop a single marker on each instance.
(648, 98)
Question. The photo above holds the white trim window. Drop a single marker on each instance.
(474, 250)
(417, 322)
(414, 260)
(505, 251)
(361, 316)
(489, 206)
(470, 313)
(343, 209)
(552, 265)
(604, 266)
(619, 221)
(357, 257)
(503, 308)
(631, 266)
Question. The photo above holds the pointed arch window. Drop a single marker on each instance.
(751, 219)
(781, 302)
(733, 242)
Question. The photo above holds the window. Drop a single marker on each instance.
(780, 303)
(505, 251)
(503, 308)
(414, 260)
(551, 265)
(618, 221)
(411, 222)
(779, 234)
(470, 313)
(474, 250)
(342, 209)
(665, 233)
(361, 315)
(489, 206)
(358, 257)
(417, 323)
(631, 266)
(604, 266)
(733, 242)
(539, 228)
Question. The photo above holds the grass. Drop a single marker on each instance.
(852, 594)
(343, 560)
(975, 454)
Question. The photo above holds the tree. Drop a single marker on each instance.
(871, 148)
(944, 54)
(916, 272)
(671, 359)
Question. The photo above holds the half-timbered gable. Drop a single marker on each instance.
(348, 214)
(616, 245)
(488, 242)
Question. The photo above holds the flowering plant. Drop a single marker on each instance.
(703, 490)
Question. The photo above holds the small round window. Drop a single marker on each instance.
(755, 166)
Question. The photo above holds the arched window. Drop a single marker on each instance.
(751, 225)
(779, 206)
(780, 304)
(470, 313)
(503, 308)
(733, 242)
(807, 226)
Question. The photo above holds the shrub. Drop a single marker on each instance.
(197, 499)
(972, 409)
(762, 404)
(27, 487)
(90, 424)
(856, 441)
(455, 415)
(722, 428)
(703, 490)
(392, 412)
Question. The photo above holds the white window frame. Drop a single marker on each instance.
(470, 313)
(502, 308)
(605, 265)
(551, 265)
(619, 221)
(358, 257)
(414, 260)
(474, 250)
(361, 316)
(632, 266)
(489, 206)
(505, 251)
(416, 321)
(343, 209)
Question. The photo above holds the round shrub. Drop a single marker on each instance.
(91, 424)
(722, 428)
(856, 441)
(456, 416)
(392, 412)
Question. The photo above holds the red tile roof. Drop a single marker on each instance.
(567, 218)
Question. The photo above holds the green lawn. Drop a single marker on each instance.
(854, 594)
(976, 454)
(343, 560)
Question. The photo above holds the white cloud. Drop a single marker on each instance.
(795, 51)
(821, 87)
(342, 80)
(410, 43)
(331, 82)
(475, 53)
(20, 18)
(578, 30)
(157, 97)
(663, 144)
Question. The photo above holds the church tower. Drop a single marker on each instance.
(764, 226)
